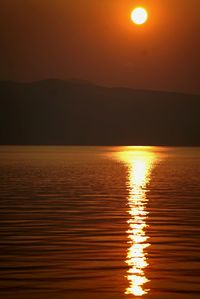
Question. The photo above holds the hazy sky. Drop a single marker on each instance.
(96, 41)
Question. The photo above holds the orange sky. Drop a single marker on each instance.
(95, 40)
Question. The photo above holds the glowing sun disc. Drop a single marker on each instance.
(139, 15)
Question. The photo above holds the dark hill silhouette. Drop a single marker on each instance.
(75, 112)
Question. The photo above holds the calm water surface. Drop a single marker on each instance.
(99, 222)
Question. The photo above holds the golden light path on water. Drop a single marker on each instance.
(140, 162)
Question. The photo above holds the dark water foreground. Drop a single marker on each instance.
(99, 223)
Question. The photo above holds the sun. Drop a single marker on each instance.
(139, 15)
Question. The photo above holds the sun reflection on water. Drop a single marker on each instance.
(140, 163)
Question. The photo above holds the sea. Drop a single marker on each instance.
(99, 222)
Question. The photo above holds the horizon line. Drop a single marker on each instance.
(88, 82)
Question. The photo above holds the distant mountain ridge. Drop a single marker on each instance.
(75, 112)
